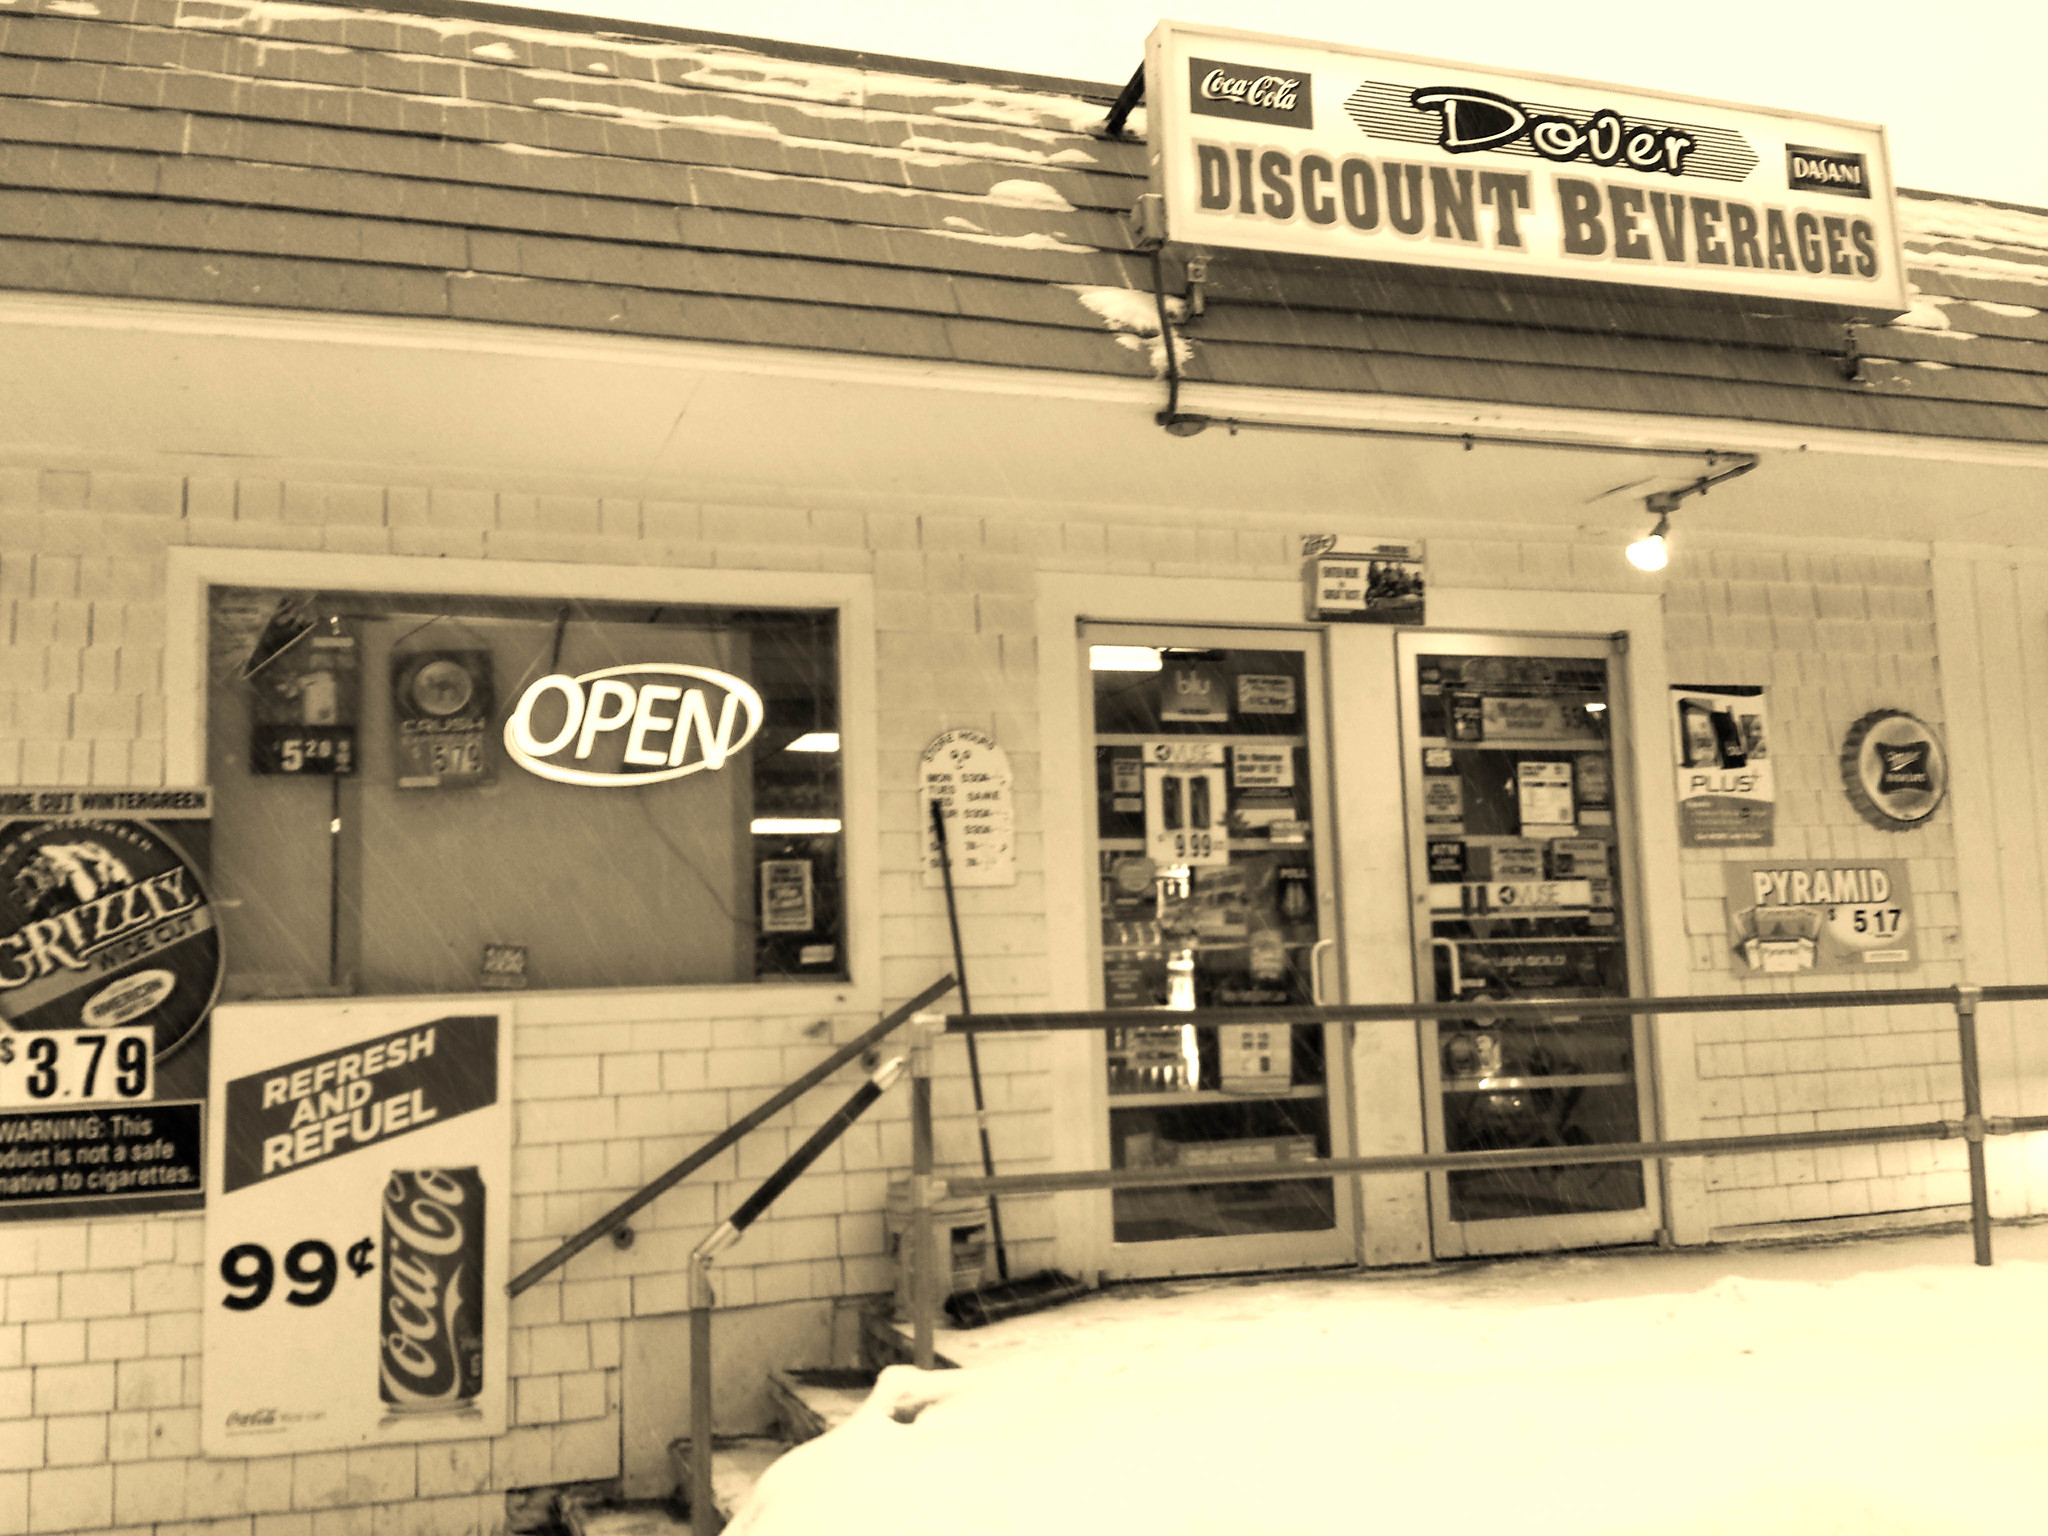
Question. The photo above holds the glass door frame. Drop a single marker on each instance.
(1338, 1244)
(1450, 1237)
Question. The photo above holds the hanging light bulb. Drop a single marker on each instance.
(1649, 553)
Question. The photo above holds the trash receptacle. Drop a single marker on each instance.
(960, 1227)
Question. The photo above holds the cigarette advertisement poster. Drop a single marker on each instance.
(1371, 582)
(356, 1233)
(1821, 917)
(1727, 791)
(109, 963)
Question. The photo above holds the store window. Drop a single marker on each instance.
(420, 794)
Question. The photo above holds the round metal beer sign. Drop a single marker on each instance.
(1894, 769)
(104, 923)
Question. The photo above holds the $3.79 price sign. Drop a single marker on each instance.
(45, 1068)
(311, 1271)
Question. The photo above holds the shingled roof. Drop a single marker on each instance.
(463, 163)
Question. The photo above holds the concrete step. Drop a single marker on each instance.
(884, 1342)
(809, 1402)
(737, 1462)
(640, 1518)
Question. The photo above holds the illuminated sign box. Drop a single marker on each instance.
(1313, 149)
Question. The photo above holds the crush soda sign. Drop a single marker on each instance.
(639, 724)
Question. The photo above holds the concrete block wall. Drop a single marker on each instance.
(612, 1088)
(1832, 634)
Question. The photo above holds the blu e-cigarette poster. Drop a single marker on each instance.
(1727, 790)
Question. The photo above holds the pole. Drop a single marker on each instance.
(703, 1507)
(988, 1160)
(1967, 998)
(924, 1299)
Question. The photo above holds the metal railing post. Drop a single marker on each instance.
(1967, 998)
(704, 1519)
(925, 1030)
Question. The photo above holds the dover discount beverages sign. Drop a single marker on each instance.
(1271, 144)
(356, 1228)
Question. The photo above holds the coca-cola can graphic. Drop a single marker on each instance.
(430, 1314)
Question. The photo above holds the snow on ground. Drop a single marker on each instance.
(1864, 1389)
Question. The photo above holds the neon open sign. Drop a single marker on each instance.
(631, 725)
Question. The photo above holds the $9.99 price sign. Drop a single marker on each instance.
(51, 1068)
(358, 1201)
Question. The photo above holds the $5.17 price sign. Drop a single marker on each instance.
(46, 1068)
(311, 1272)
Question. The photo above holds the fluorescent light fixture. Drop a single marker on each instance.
(815, 741)
(1596, 708)
(794, 826)
(1123, 658)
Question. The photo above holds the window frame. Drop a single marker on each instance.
(193, 572)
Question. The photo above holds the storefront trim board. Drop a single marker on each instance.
(477, 341)
(1374, 919)
(1991, 613)
(191, 572)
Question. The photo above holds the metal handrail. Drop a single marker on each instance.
(619, 1214)
(703, 1507)
(1487, 1007)
(927, 1189)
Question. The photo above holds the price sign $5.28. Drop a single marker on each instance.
(41, 1067)
(310, 1269)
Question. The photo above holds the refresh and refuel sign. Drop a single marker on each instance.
(1316, 149)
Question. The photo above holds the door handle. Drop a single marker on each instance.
(1457, 976)
(1315, 971)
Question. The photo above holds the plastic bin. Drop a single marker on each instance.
(961, 1225)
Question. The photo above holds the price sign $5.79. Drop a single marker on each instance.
(311, 1272)
(41, 1068)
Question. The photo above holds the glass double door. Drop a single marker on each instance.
(1213, 853)
(1520, 866)
(1216, 851)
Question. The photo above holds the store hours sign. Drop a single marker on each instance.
(967, 775)
(1314, 149)
(356, 1230)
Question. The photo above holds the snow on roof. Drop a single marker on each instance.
(707, 65)
(1133, 319)
(896, 197)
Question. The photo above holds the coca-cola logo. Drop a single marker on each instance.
(254, 1418)
(432, 1290)
(1249, 93)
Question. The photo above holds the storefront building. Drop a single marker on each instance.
(513, 510)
